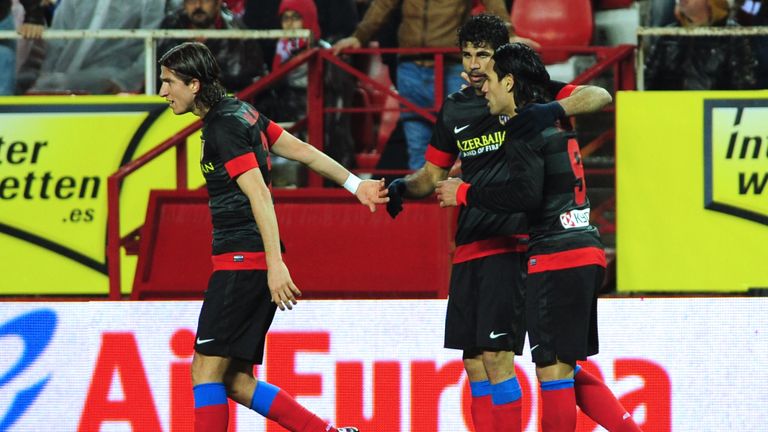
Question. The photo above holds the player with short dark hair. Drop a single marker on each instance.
(565, 257)
(486, 313)
(250, 279)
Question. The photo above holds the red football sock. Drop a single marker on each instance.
(507, 406)
(598, 402)
(294, 417)
(211, 409)
(558, 413)
(508, 417)
(482, 417)
(212, 418)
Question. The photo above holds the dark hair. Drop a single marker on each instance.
(484, 30)
(531, 77)
(193, 60)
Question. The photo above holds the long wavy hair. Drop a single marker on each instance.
(193, 60)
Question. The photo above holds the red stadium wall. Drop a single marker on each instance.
(322, 230)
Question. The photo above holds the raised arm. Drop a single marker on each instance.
(368, 192)
(585, 99)
(571, 100)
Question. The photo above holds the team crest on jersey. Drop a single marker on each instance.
(503, 119)
(735, 156)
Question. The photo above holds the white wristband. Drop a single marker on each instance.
(352, 183)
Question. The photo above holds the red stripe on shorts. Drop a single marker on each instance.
(240, 261)
(567, 259)
(488, 247)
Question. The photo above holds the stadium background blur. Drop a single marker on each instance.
(104, 241)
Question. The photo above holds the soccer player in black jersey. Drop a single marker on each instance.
(249, 279)
(486, 316)
(565, 256)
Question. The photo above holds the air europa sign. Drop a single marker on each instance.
(736, 157)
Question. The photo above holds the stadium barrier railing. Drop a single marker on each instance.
(618, 60)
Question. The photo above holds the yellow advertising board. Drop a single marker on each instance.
(56, 153)
(691, 191)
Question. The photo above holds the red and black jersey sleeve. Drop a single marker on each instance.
(232, 140)
(560, 90)
(272, 130)
(442, 151)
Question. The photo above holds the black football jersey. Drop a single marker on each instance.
(235, 138)
(466, 129)
(548, 184)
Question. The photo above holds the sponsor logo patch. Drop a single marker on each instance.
(575, 218)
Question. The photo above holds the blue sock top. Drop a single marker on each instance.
(557, 384)
(263, 396)
(209, 394)
(480, 388)
(506, 391)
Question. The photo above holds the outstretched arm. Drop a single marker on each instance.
(535, 117)
(369, 192)
(417, 185)
(585, 99)
(423, 182)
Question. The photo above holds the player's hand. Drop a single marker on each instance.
(31, 31)
(467, 82)
(372, 192)
(348, 42)
(534, 118)
(396, 190)
(446, 192)
(282, 288)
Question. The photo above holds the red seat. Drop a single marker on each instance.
(554, 23)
